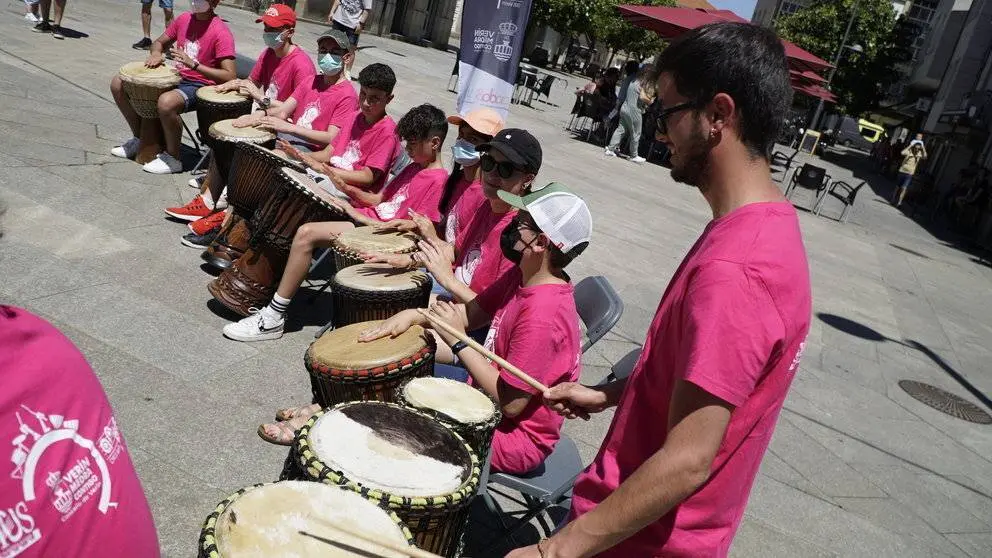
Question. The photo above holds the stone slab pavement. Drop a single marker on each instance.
(856, 468)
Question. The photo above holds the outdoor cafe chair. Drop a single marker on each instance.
(809, 177)
(543, 87)
(845, 193)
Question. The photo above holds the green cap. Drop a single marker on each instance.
(560, 214)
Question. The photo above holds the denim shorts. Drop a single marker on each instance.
(905, 180)
(188, 90)
(349, 31)
(164, 4)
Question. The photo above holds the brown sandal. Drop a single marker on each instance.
(303, 411)
(285, 431)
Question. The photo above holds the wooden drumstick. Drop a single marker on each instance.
(524, 377)
(387, 544)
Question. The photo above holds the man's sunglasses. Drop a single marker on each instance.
(504, 169)
(661, 122)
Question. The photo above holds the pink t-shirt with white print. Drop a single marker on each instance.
(361, 145)
(69, 487)
(279, 77)
(413, 188)
(206, 41)
(320, 106)
(733, 322)
(476, 228)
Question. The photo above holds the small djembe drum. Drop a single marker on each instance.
(349, 245)
(343, 369)
(213, 106)
(224, 137)
(408, 462)
(143, 86)
(366, 292)
(266, 520)
(457, 405)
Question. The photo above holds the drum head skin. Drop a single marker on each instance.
(210, 94)
(339, 349)
(457, 400)
(392, 449)
(380, 277)
(225, 130)
(264, 522)
(368, 239)
(160, 76)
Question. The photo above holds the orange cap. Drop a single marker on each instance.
(483, 120)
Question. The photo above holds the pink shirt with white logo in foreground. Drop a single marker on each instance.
(413, 188)
(206, 41)
(279, 77)
(733, 322)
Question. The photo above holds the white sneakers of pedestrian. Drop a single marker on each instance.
(261, 325)
(196, 182)
(32, 18)
(126, 150)
(638, 160)
(163, 164)
(609, 152)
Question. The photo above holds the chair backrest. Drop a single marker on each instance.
(810, 176)
(625, 366)
(546, 83)
(599, 306)
(854, 193)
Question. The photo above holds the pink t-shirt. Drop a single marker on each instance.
(733, 322)
(413, 188)
(208, 42)
(279, 77)
(69, 487)
(537, 329)
(319, 106)
(361, 145)
(476, 229)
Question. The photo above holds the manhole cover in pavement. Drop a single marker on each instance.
(945, 402)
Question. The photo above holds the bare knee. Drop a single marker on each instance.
(116, 86)
(170, 104)
(305, 237)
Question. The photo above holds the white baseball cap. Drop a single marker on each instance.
(560, 214)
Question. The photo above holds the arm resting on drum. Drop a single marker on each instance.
(363, 178)
(314, 136)
(512, 401)
(697, 422)
(225, 73)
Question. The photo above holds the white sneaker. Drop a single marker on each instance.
(196, 182)
(32, 18)
(126, 150)
(637, 160)
(259, 326)
(609, 152)
(163, 164)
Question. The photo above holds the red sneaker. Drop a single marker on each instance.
(202, 226)
(192, 211)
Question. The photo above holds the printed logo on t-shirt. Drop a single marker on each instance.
(351, 155)
(272, 91)
(466, 271)
(493, 331)
(388, 209)
(192, 49)
(798, 357)
(309, 115)
(18, 530)
(450, 226)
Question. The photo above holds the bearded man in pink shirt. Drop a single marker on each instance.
(694, 419)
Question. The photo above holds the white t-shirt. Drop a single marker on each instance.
(349, 12)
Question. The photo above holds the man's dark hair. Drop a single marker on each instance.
(631, 67)
(377, 76)
(423, 122)
(612, 72)
(742, 60)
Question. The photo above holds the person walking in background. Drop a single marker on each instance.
(632, 101)
(350, 16)
(912, 156)
(146, 21)
(45, 25)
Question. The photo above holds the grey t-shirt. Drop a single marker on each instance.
(349, 12)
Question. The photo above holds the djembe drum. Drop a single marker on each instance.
(250, 182)
(213, 106)
(343, 369)
(143, 86)
(349, 245)
(252, 280)
(457, 405)
(266, 520)
(365, 292)
(408, 462)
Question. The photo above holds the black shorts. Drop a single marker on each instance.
(349, 31)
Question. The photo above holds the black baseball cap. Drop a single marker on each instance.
(519, 147)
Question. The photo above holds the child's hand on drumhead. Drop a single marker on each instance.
(400, 225)
(246, 121)
(424, 226)
(154, 60)
(394, 326)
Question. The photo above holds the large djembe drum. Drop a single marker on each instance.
(457, 405)
(143, 86)
(365, 292)
(266, 520)
(343, 369)
(252, 280)
(405, 460)
(213, 106)
(349, 245)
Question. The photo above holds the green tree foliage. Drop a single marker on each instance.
(599, 21)
(861, 79)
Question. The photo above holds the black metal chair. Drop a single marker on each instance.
(543, 87)
(845, 193)
(809, 177)
(780, 159)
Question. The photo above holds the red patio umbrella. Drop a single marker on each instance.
(816, 91)
(806, 76)
(671, 22)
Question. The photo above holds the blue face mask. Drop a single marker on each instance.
(273, 40)
(330, 64)
(465, 153)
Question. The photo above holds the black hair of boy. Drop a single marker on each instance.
(422, 122)
(378, 76)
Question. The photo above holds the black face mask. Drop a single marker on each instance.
(508, 242)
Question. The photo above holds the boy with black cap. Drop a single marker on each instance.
(533, 321)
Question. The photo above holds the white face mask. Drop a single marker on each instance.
(199, 6)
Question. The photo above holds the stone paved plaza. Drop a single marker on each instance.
(856, 468)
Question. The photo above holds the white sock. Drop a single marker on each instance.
(278, 306)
